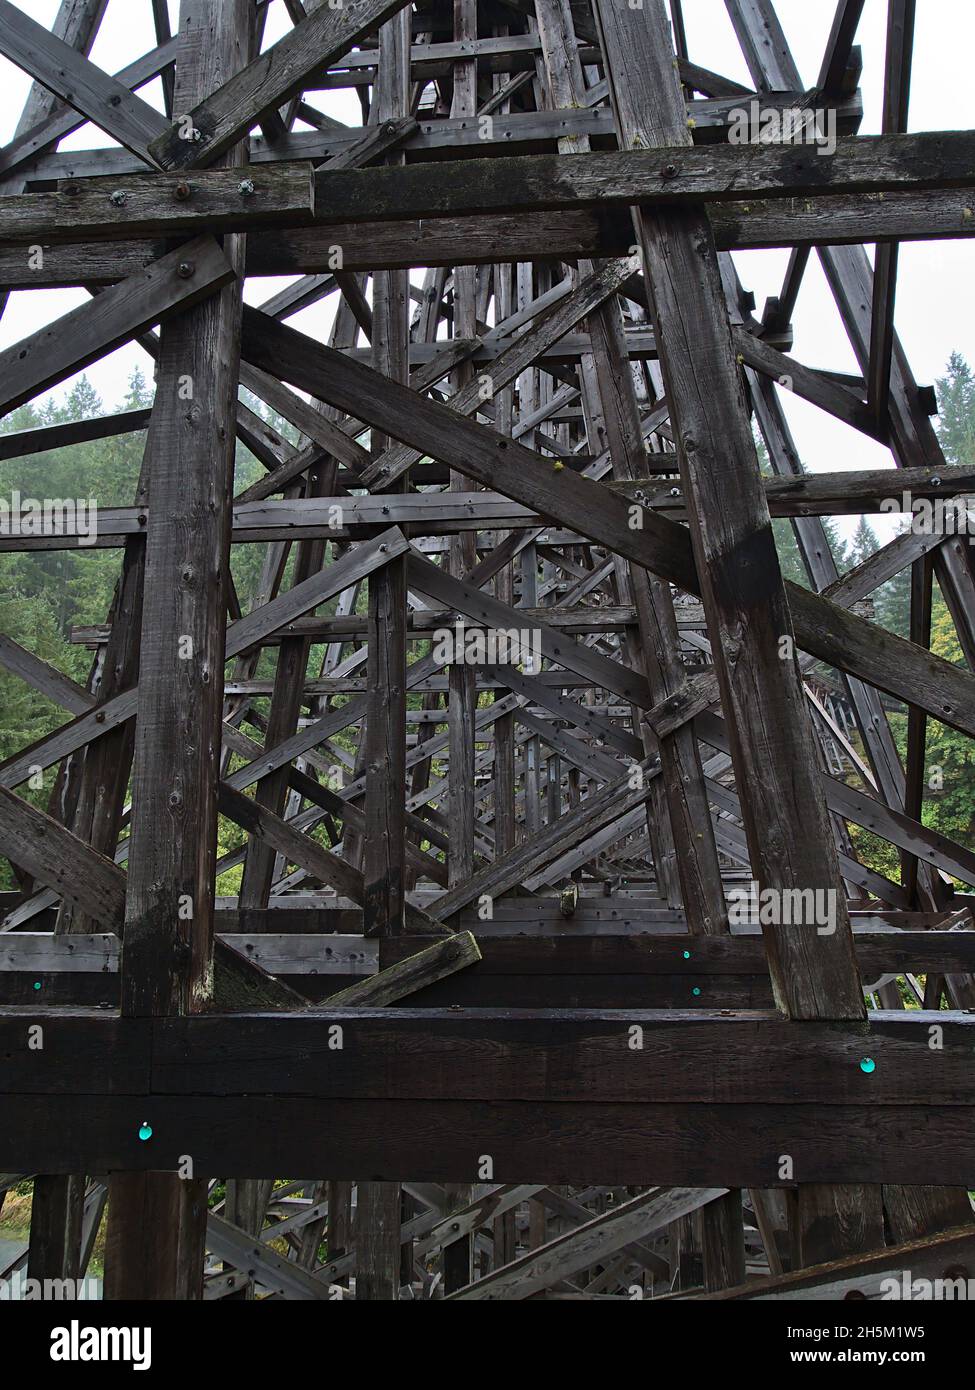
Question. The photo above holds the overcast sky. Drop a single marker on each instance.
(935, 296)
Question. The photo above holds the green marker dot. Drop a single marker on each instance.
(695, 990)
(868, 1065)
(37, 984)
(687, 955)
(145, 1130)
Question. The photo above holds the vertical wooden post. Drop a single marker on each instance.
(384, 851)
(55, 1227)
(157, 1221)
(782, 802)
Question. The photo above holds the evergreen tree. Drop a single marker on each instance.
(864, 543)
(956, 409)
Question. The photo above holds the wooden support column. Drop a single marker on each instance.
(679, 817)
(379, 1212)
(58, 1200)
(745, 603)
(157, 1221)
(55, 1227)
(853, 1214)
(457, 1260)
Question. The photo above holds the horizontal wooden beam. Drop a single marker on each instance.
(663, 177)
(408, 241)
(446, 1141)
(572, 1098)
(690, 1057)
(302, 953)
(162, 204)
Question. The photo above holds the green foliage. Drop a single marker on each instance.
(44, 595)
(949, 797)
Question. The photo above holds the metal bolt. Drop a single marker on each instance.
(182, 192)
(936, 481)
(119, 198)
(185, 269)
(246, 188)
(669, 171)
(100, 717)
(675, 492)
(383, 549)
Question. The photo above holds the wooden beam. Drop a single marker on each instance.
(68, 74)
(162, 204)
(822, 628)
(412, 974)
(167, 287)
(224, 116)
(56, 857)
(589, 1244)
(668, 176)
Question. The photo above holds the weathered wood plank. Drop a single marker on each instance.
(439, 1141)
(162, 204)
(589, 1244)
(167, 287)
(411, 974)
(225, 115)
(667, 176)
(67, 73)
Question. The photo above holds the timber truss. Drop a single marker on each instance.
(521, 708)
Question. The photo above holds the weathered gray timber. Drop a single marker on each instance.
(629, 796)
(170, 286)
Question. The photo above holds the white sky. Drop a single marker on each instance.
(935, 299)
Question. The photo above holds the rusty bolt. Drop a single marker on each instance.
(181, 191)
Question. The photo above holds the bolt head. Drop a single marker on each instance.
(185, 269)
